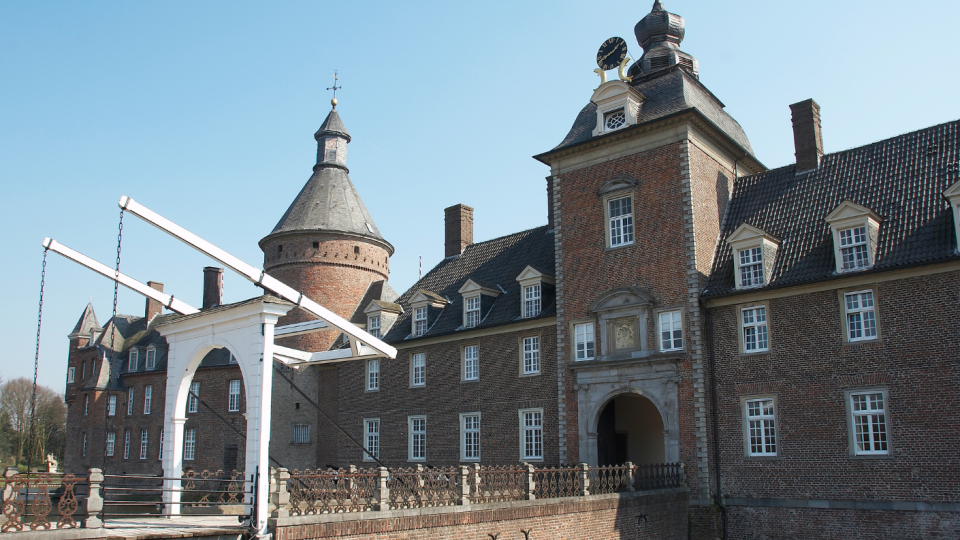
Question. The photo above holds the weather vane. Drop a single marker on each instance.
(334, 88)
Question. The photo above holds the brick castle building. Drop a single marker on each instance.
(787, 334)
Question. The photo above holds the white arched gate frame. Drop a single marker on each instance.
(246, 329)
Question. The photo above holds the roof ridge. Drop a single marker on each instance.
(508, 235)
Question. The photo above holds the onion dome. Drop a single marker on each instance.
(660, 34)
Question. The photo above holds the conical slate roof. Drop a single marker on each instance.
(87, 322)
(332, 126)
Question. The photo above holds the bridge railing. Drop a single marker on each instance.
(41, 501)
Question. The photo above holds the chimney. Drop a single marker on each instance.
(153, 307)
(212, 279)
(458, 226)
(806, 134)
(550, 203)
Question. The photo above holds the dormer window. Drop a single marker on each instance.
(134, 360)
(615, 119)
(535, 287)
(151, 359)
(754, 252)
(380, 317)
(855, 229)
(373, 326)
(427, 306)
(952, 194)
(477, 301)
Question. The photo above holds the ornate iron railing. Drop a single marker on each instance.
(610, 479)
(39, 501)
(332, 491)
(214, 493)
(658, 476)
(553, 482)
(499, 483)
(422, 487)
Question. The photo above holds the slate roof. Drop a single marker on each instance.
(332, 126)
(87, 322)
(901, 179)
(495, 262)
(380, 292)
(666, 93)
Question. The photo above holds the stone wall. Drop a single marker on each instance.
(660, 515)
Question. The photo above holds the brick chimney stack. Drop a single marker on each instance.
(458, 228)
(806, 134)
(153, 307)
(212, 280)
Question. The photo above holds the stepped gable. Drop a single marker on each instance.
(666, 93)
(496, 264)
(901, 179)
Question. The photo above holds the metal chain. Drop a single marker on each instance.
(36, 367)
(116, 290)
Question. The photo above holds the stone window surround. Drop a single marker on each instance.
(301, 427)
(739, 314)
(572, 329)
(529, 277)
(745, 422)
(852, 430)
(611, 96)
(620, 303)
(543, 445)
(413, 355)
(410, 420)
(683, 327)
(520, 339)
(366, 447)
(618, 187)
(367, 372)
(748, 237)
(71, 375)
(463, 436)
(463, 361)
(844, 331)
(472, 289)
(848, 215)
(146, 358)
(133, 359)
(952, 194)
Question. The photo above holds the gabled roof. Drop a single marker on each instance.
(495, 263)
(666, 92)
(900, 179)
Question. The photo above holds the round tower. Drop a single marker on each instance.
(326, 245)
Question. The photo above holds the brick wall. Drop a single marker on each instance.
(660, 515)
(498, 395)
(809, 523)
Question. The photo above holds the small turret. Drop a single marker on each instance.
(660, 34)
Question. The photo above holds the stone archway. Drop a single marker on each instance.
(630, 428)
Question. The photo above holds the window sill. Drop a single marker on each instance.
(872, 456)
(851, 344)
(371, 390)
(621, 246)
(417, 386)
(536, 374)
(470, 460)
(469, 381)
(531, 459)
(754, 353)
(762, 458)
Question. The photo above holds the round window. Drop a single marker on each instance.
(614, 120)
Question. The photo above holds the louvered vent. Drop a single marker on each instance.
(659, 62)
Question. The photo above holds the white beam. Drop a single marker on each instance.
(259, 277)
(297, 358)
(298, 329)
(168, 301)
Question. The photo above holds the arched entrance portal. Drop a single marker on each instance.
(630, 428)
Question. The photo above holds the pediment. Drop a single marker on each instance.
(953, 192)
(624, 297)
(612, 90)
(472, 286)
(532, 274)
(428, 297)
(617, 183)
(377, 306)
(849, 210)
(747, 233)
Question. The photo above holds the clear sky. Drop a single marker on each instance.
(205, 112)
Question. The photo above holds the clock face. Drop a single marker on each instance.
(611, 53)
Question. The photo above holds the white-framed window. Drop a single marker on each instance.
(620, 221)
(86, 404)
(671, 331)
(71, 374)
(112, 405)
(371, 438)
(861, 315)
(193, 401)
(373, 374)
(761, 427)
(471, 363)
(301, 433)
(614, 119)
(418, 438)
(869, 415)
(373, 326)
(126, 444)
(531, 355)
(134, 360)
(83, 449)
(419, 321)
(853, 248)
(584, 343)
(470, 436)
(471, 314)
(160, 453)
(131, 395)
(151, 359)
(190, 444)
(144, 444)
(233, 403)
(111, 443)
(147, 398)
(751, 267)
(531, 434)
(531, 300)
(753, 322)
(83, 370)
(418, 369)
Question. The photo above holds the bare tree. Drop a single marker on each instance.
(16, 400)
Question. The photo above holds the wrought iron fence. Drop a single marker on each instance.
(213, 493)
(499, 483)
(333, 491)
(40, 501)
(552, 482)
(610, 479)
(658, 476)
(423, 487)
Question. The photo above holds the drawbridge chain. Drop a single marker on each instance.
(36, 366)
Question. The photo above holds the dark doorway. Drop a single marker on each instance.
(630, 428)
(230, 458)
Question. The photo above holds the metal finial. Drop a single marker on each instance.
(334, 88)
(657, 6)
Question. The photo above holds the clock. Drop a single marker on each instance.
(611, 53)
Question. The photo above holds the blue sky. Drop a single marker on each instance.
(205, 111)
